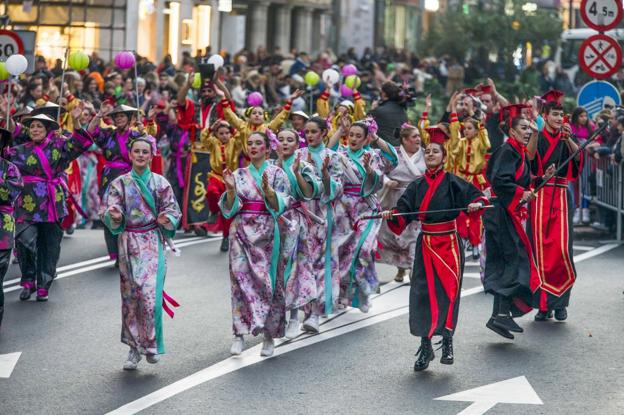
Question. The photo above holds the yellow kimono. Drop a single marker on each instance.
(221, 155)
(468, 156)
(244, 128)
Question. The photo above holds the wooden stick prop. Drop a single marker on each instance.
(566, 161)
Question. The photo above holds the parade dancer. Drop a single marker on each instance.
(322, 233)
(298, 259)
(42, 205)
(439, 258)
(398, 250)
(511, 273)
(141, 210)
(255, 197)
(114, 145)
(551, 224)
(11, 186)
(225, 148)
(468, 147)
(357, 239)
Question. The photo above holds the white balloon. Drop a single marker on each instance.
(330, 76)
(16, 64)
(216, 60)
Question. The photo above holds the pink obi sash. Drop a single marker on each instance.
(254, 207)
(352, 189)
(51, 189)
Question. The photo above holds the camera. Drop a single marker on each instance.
(408, 96)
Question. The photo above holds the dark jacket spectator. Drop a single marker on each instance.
(390, 113)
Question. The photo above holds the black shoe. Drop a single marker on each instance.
(508, 323)
(1, 314)
(70, 230)
(543, 315)
(475, 253)
(447, 351)
(425, 355)
(116, 264)
(97, 224)
(561, 314)
(199, 231)
(26, 293)
(225, 244)
(498, 329)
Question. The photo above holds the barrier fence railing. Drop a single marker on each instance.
(608, 191)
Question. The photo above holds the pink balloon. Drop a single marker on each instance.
(345, 91)
(255, 99)
(125, 60)
(349, 69)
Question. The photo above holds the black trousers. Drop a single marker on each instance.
(5, 261)
(111, 243)
(38, 249)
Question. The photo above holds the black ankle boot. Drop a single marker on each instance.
(561, 314)
(425, 355)
(507, 323)
(498, 329)
(543, 315)
(447, 351)
(225, 244)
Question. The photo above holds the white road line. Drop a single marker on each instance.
(583, 247)
(472, 275)
(390, 304)
(109, 262)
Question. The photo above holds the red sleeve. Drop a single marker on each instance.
(397, 224)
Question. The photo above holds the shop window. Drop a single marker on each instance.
(56, 15)
(119, 22)
(78, 14)
(99, 2)
(17, 14)
(101, 17)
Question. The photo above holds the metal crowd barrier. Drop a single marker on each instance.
(609, 189)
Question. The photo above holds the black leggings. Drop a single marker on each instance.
(5, 260)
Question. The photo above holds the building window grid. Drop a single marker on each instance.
(116, 8)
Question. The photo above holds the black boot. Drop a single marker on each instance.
(447, 351)
(225, 244)
(1, 314)
(425, 355)
(498, 329)
(543, 315)
(26, 293)
(561, 314)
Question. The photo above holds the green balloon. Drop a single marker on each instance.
(353, 82)
(78, 60)
(311, 78)
(197, 81)
(4, 74)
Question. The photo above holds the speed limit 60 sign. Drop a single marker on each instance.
(10, 44)
(601, 15)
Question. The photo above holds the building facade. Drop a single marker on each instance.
(155, 28)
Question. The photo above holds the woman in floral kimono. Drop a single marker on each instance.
(255, 197)
(299, 277)
(11, 185)
(141, 209)
(398, 250)
(321, 233)
(42, 205)
(114, 145)
(357, 239)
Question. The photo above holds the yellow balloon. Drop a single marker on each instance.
(353, 82)
(4, 74)
(78, 60)
(196, 81)
(311, 78)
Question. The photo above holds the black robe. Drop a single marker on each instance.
(509, 263)
(452, 192)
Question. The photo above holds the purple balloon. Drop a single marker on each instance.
(255, 99)
(345, 91)
(349, 70)
(125, 60)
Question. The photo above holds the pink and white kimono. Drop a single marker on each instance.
(357, 239)
(257, 280)
(398, 250)
(321, 233)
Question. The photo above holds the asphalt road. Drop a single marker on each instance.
(360, 364)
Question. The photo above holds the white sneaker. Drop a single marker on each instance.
(311, 324)
(585, 218)
(576, 220)
(152, 358)
(134, 357)
(292, 330)
(268, 347)
(237, 346)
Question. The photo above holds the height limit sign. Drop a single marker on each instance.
(601, 15)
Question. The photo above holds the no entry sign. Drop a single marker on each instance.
(601, 15)
(10, 44)
(600, 56)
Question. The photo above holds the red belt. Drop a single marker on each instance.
(557, 182)
(254, 206)
(439, 228)
(352, 189)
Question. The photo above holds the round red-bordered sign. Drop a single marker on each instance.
(601, 15)
(9, 42)
(600, 56)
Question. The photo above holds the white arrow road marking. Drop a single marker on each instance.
(391, 303)
(7, 363)
(515, 391)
